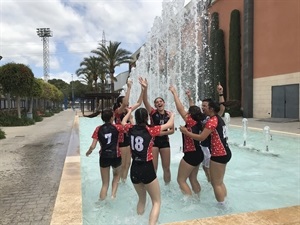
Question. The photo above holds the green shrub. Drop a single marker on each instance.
(2, 134)
(12, 121)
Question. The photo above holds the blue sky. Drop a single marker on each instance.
(77, 27)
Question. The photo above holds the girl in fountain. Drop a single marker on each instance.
(142, 172)
(110, 156)
(120, 110)
(205, 145)
(161, 145)
(193, 155)
(220, 151)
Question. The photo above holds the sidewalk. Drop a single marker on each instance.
(31, 164)
(284, 126)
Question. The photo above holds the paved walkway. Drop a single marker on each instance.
(40, 169)
(31, 164)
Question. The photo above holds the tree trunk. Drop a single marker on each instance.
(18, 106)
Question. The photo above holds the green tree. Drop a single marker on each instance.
(219, 63)
(112, 56)
(214, 26)
(16, 79)
(234, 61)
(92, 68)
(35, 92)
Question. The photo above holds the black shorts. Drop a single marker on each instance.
(126, 141)
(222, 159)
(161, 143)
(107, 162)
(142, 172)
(193, 158)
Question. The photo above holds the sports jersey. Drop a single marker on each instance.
(141, 141)
(157, 118)
(206, 142)
(109, 136)
(189, 144)
(218, 135)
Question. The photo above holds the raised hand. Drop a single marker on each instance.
(219, 88)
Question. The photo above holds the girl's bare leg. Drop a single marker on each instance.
(105, 182)
(165, 155)
(141, 191)
(126, 161)
(115, 181)
(184, 171)
(217, 172)
(154, 192)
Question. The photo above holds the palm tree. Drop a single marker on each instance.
(112, 56)
(91, 69)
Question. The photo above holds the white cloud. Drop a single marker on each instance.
(77, 28)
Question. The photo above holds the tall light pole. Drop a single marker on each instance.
(45, 33)
(72, 92)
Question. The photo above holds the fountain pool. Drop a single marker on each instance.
(255, 180)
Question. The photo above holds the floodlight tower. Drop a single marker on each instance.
(45, 33)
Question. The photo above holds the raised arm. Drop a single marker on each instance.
(179, 106)
(140, 99)
(221, 99)
(144, 83)
(125, 101)
(188, 94)
(126, 117)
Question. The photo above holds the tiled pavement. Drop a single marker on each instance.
(31, 163)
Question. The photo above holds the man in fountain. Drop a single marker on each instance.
(159, 116)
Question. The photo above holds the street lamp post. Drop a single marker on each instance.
(72, 92)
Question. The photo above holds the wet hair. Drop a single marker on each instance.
(141, 116)
(212, 104)
(159, 98)
(196, 113)
(118, 102)
(107, 114)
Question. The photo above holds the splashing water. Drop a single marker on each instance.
(175, 53)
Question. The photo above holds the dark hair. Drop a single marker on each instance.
(118, 102)
(159, 98)
(107, 114)
(196, 113)
(212, 104)
(141, 116)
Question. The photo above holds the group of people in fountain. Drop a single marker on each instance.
(134, 143)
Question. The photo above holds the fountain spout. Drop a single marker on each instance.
(245, 130)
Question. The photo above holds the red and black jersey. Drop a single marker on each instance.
(157, 118)
(189, 144)
(141, 141)
(109, 136)
(218, 135)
